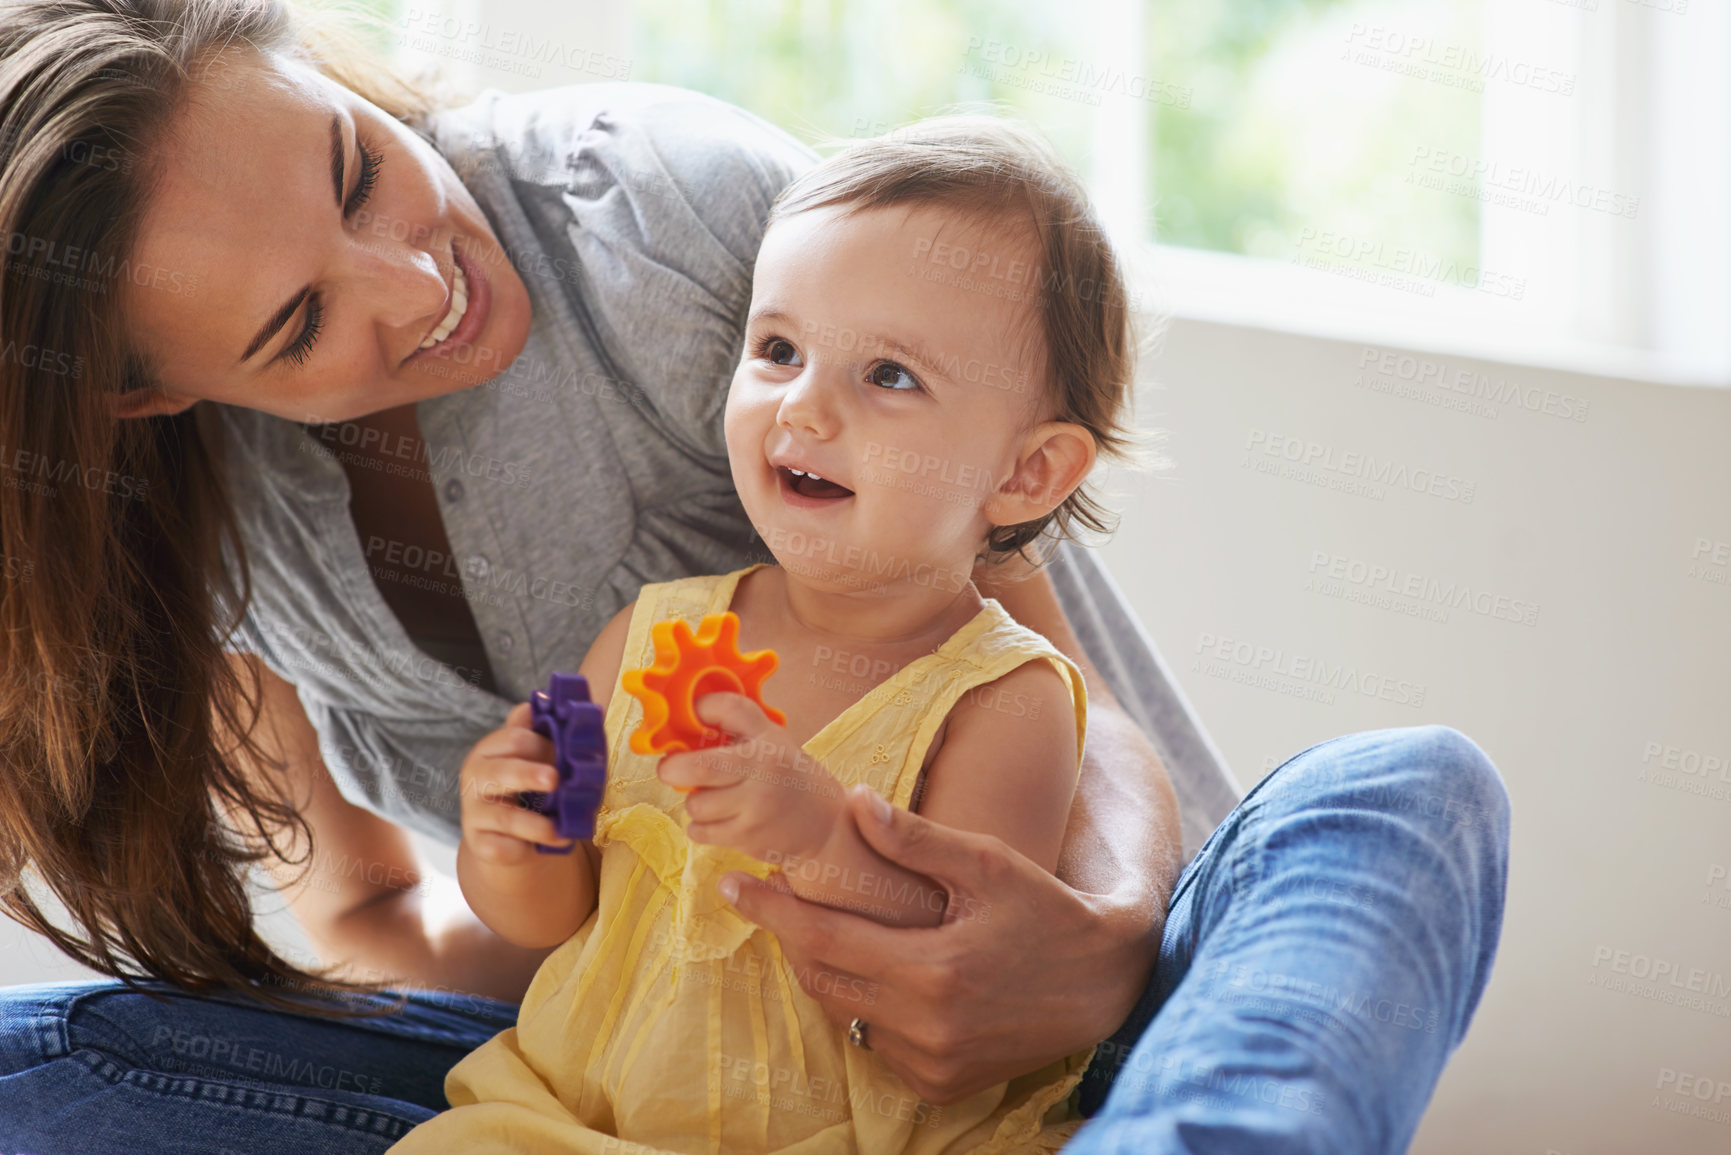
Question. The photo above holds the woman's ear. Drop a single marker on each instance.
(149, 402)
(1055, 458)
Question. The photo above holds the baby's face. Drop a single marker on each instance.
(903, 382)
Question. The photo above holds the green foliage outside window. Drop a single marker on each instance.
(1258, 122)
(1286, 130)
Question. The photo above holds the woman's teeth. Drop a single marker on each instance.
(459, 306)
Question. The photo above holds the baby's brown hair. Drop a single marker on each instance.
(994, 168)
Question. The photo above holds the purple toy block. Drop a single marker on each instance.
(564, 713)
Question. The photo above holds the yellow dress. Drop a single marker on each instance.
(668, 1023)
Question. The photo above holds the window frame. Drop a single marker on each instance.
(1660, 282)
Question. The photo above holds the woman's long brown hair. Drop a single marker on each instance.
(125, 731)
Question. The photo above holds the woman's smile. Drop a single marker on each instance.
(471, 300)
(379, 280)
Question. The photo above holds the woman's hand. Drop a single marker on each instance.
(1023, 970)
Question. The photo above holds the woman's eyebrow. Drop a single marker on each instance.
(277, 320)
(280, 318)
(337, 152)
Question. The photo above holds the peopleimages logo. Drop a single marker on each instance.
(1390, 587)
(1706, 775)
(1406, 269)
(1660, 980)
(1528, 189)
(48, 259)
(1348, 470)
(1452, 65)
(51, 473)
(1300, 675)
(1710, 561)
(1391, 371)
(448, 459)
(502, 46)
(1686, 1093)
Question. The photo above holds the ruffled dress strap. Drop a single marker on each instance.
(645, 813)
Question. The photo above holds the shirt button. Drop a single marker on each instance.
(453, 490)
(479, 568)
(504, 641)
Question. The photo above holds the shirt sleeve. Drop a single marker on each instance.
(248, 635)
(668, 192)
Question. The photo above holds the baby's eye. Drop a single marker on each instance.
(779, 351)
(892, 376)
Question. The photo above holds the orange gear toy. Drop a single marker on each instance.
(687, 666)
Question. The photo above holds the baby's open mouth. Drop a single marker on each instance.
(811, 485)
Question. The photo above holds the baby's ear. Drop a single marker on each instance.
(1055, 458)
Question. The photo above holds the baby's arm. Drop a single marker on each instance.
(1007, 767)
(524, 896)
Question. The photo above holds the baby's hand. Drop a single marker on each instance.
(504, 764)
(762, 795)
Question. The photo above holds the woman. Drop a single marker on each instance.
(339, 422)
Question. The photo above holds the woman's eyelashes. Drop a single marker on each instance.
(371, 162)
(885, 375)
(303, 344)
(369, 166)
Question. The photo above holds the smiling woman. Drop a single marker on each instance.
(372, 264)
(114, 794)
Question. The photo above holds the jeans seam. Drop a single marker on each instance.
(388, 1026)
(240, 1097)
(1246, 810)
(53, 1029)
(1247, 871)
(1266, 778)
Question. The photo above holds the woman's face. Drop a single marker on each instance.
(318, 242)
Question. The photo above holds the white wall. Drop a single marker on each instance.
(1594, 522)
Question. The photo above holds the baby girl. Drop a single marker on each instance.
(937, 351)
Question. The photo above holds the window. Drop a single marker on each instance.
(1542, 181)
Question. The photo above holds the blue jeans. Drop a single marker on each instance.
(1323, 955)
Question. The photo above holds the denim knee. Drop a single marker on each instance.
(1444, 790)
(1433, 775)
(1453, 761)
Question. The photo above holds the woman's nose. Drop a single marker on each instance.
(408, 283)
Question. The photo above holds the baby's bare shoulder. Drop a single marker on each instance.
(1028, 707)
(606, 654)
